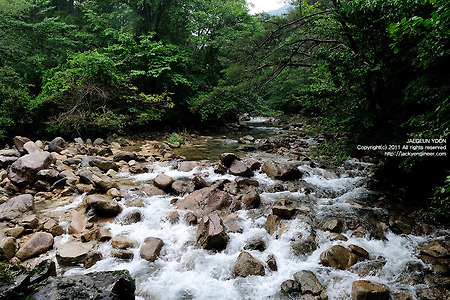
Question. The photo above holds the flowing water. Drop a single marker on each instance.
(185, 271)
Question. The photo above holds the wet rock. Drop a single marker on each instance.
(50, 175)
(104, 182)
(38, 243)
(7, 248)
(402, 296)
(187, 166)
(57, 145)
(281, 171)
(16, 207)
(306, 246)
(369, 290)
(334, 225)
(338, 257)
(247, 265)
(272, 263)
(103, 164)
(199, 182)
(255, 243)
(105, 151)
(151, 190)
(29, 222)
(91, 259)
(131, 217)
(151, 248)
(103, 205)
(123, 254)
(272, 223)
(190, 218)
(89, 235)
(361, 252)
(174, 217)
(220, 169)
(123, 242)
(163, 182)
(436, 249)
(14, 232)
(251, 199)
(238, 168)
(211, 234)
(104, 234)
(126, 156)
(98, 285)
(359, 232)
(207, 200)
(244, 182)
(24, 170)
(333, 236)
(290, 286)
(181, 187)
(73, 252)
(310, 285)
(284, 208)
(400, 225)
(227, 159)
(77, 223)
(434, 293)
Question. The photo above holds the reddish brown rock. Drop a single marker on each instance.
(151, 248)
(206, 200)
(238, 168)
(338, 257)
(38, 243)
(211, 233)
(369, 290)
(247, 265)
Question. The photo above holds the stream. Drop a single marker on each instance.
(186, 271)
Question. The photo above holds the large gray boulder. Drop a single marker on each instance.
(247, 265)
(211, 233)
(207, 200)
(16, 207)
(7, 157)
(103, 164)
(38, 243)
(57, 145)
(98, 285)
(23, 171)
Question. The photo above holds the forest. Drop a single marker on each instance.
(366, 72)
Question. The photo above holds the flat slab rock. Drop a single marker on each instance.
(99, 285)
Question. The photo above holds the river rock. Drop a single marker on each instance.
(199, 182)
(369, 290)
(211, 234)
(227, 159)
(272, 223)
(98, 285)
(238, 168)
(220, 169)
(151, 248)
(309, 284)
(306, 246)
(104, 234)
(284, 208)
(48, 175)
(207, 200)
(23, 171)
(126, 156)
(19, 141)
(163, 182)
(91, 259)
(104, 182)
(57, 145)
(187, 166)
(123, 254)
(436, 249)
(77, 223)
(16, 207)
(7, 248)
(30, 147)
(38, 243)
(151, 190)
(131, 216)
(29, 222)
(7, 157)
(73, 252)
(103, 164)
(255, 243)
(334, 225)
(361, 252)
(247, 265)
(123, 242)
(272, 263)
(282, 171)
(290, 286)
(251, 199)
(338, 257)
(181, 187)
(103, 205)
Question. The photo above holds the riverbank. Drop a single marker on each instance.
(252, 224)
